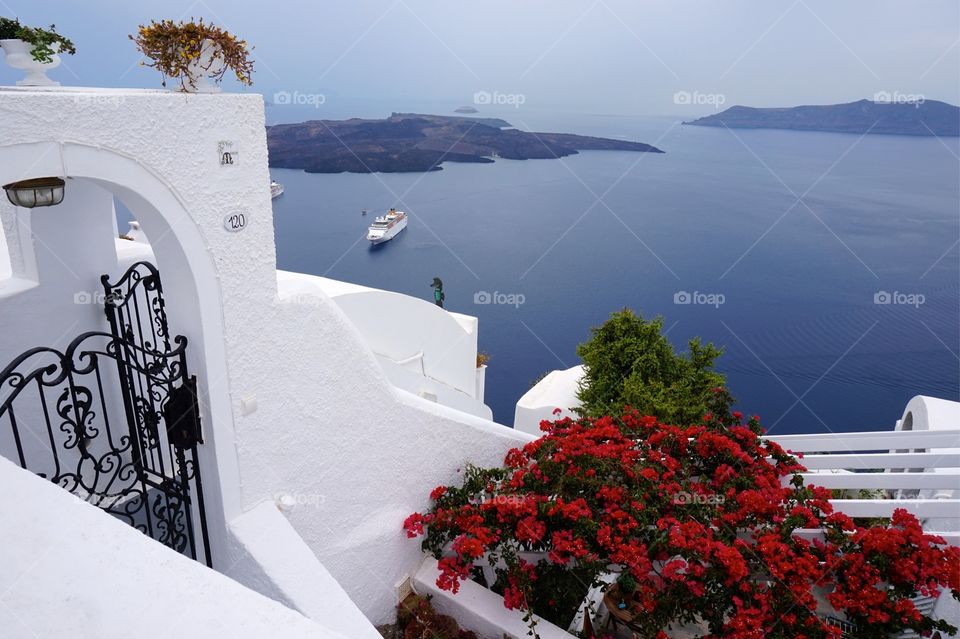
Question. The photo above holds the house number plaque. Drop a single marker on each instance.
(235, 222)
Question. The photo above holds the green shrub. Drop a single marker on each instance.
(629, 362)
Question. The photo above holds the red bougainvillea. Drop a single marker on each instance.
(700, 522)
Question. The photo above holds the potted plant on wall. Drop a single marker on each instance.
(194, 53)
(33, 50)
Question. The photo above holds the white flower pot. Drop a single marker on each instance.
(19, 56)
(210, 61)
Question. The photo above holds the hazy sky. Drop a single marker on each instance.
(603, 56)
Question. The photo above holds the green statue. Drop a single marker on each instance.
(438, 295)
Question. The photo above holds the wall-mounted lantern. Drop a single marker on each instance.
(30, 194)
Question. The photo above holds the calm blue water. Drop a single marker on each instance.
(806, 346)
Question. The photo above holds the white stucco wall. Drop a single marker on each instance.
(65, 258)
(402, 328)
(327, 427)
(558, 389)
(67, 569)
(930, 413)
(444, 332)
(6, 266)
(268, 555)
(16, 265)
(421, 347)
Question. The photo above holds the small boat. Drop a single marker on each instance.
(276, 189)
(386, 227)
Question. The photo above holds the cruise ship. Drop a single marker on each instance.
(386, 227)
(276, 189)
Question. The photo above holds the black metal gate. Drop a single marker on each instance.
(113, 418)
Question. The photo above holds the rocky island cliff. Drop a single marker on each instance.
(411, 142)
(921, 117)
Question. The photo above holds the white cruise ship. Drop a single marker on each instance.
(276, 189)
(386, 227)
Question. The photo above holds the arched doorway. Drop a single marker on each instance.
(63, 251)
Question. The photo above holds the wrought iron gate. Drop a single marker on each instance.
(113, 418)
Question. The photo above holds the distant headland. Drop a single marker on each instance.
(922, 117)
(412, 142)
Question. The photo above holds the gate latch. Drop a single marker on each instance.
(182, 415)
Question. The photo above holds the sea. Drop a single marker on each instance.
(826, 266)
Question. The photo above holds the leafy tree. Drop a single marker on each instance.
(629, 362)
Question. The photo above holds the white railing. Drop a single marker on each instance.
(918, 471)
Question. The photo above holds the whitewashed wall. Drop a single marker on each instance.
(422, 348)
(293, 401)
(924, 413)
(557, 390)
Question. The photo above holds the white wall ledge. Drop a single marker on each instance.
(68, 569)
(104, 91)
(477, 608)
(270, 557)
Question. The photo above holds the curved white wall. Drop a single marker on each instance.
(557, 390)
(401, 328)
(932, 413)
(422, 348)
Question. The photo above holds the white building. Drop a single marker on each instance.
(320, 433)
(299, 405)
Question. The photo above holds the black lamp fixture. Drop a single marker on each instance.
(47, 191)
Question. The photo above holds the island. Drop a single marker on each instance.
(412, 142)
(921, 117)
(465, 109)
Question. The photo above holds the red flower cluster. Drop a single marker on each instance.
(700, 523)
